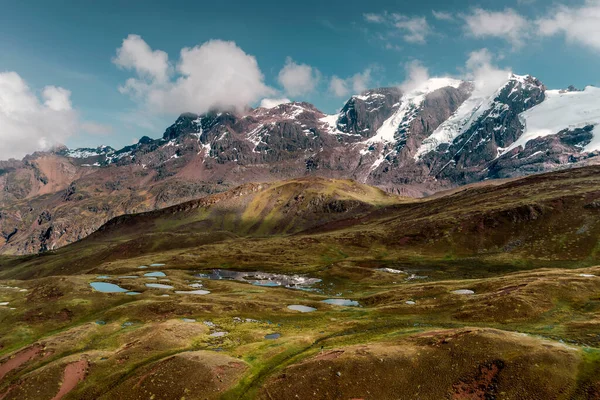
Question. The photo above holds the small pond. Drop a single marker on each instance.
(155, 274)
(273, 336)
(303, 309)
(342, 302)
(463, 291)
(106, 287)
(197, 292)
(159, 286)
(258, 278)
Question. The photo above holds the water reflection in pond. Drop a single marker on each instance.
(258, 278)
(303, 309)
(157, 273)
(197, 292)
(159, 286)
(106, 287)
(463, 291)
(342, 302)
(272, 336)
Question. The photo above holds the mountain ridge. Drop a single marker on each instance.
(441, 134)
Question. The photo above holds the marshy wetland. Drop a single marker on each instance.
(243, 340)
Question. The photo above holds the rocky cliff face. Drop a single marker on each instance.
(439, 135)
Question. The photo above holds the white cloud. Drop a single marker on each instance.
(135, 54)
(94, 128)
(416, 29)
(361, 81)
(507, 24)
(486, 77)
(412, 29)
(57, 98)
(374, 18)
(442, 15)
(298, 79)
(271, 103)
(356, 83)
(416, 75)
(338, 87)
(578, 24)
(28, 124)
(395, 47)
(216, 74)
(479, 69)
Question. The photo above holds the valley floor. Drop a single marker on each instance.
(460, 329)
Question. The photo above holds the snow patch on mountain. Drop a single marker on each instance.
(408, 108)
(559, 111)
(255, 136)
(330, 124)
(86, 153)
(465, 116)
(369, 96)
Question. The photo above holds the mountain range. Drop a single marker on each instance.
(439, 135)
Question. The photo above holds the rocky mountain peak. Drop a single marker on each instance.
(437, 135)
(365, 113)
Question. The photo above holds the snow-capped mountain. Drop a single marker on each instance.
(440, 134)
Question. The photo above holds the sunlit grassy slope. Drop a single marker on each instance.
(539, 220)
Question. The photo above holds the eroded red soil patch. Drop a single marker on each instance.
(19, 359)
(329, 355)
(481, 387)
(73, 374)
(221, 369)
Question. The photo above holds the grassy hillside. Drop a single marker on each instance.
(488, 292)
(543, 220)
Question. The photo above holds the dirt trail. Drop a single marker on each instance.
(74, 373)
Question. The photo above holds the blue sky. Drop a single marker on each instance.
(73, 45)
